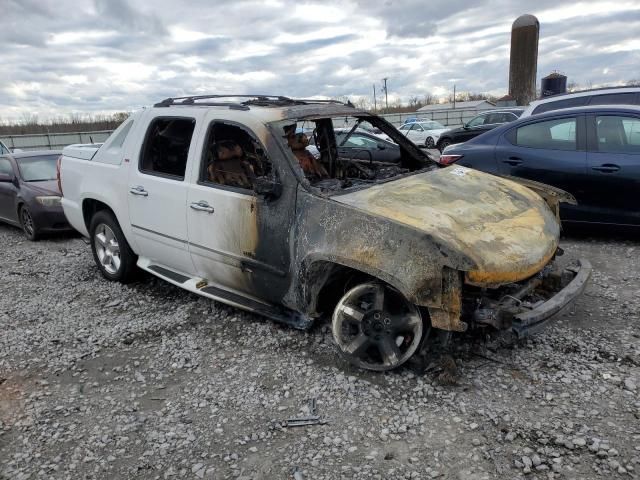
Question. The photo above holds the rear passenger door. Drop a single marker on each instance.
(613, 159)
(550, 151)
(157, 191)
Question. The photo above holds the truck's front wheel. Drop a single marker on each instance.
(376, 327)
(111, 252)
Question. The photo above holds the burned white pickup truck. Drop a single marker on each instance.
(222, 196)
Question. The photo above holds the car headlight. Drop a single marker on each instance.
(50, 201)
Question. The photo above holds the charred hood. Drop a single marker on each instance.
(506, 229)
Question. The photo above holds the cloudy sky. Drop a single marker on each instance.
(65, 56)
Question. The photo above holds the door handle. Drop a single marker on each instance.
(139, 190)
(202, 206)
(607, 168)
(513, 161)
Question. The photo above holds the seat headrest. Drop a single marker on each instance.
(299, 141)
(228, 150)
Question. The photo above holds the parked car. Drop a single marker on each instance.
(478, 125)
(29, 193)
(423, 132)
(375, 131)
(596, 96)
(366, 146)
(219, 196)
(591, 152)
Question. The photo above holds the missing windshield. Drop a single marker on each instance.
(337, 153)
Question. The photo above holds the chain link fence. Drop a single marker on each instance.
(56, 141)
(53, 141)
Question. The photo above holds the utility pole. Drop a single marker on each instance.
(375, 104)
(454, 96)
(386, 97)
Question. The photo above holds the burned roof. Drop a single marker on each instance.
(270, 107)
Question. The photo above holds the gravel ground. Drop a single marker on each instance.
(100, 380)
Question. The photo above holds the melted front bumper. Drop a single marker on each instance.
(532, 304)
(531, 321)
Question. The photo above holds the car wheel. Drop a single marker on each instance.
(110, 248)
(376, 327)
(429, 143)
(444, 143)
(28, 224)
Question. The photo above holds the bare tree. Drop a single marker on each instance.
(362, 103)
(29, 119)
(572, 86)
(30, 124)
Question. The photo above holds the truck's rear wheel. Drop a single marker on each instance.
(376, 327)
(111, 252)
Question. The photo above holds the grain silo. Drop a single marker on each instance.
(523, 64)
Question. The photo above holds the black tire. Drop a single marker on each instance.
(429, 143)
(28, 224)
(444, 143)
(123, 262)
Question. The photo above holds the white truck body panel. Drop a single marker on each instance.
(82, 151)
(98, 172)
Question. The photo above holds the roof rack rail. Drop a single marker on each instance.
(258, 100)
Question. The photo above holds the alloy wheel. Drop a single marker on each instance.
(107, 249)
(376, 326)
(27, 221)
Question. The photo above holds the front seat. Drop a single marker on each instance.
(230, 166)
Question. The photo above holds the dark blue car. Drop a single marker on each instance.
(591, 152)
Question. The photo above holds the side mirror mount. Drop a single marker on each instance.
(268, 187)
(465, 126)
(381, 147)
(6, 178)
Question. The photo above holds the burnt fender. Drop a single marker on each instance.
(329, 232)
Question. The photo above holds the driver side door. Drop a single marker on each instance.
(472, 129)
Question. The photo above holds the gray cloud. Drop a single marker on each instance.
(67, 56)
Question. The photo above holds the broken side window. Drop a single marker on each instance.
(166, 147)
(339, 153)
(232, 157)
